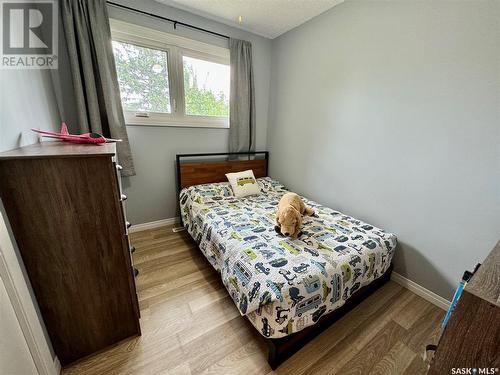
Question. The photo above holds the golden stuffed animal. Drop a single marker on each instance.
(289, 215)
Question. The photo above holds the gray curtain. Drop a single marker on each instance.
(242, 98)
(93, 74)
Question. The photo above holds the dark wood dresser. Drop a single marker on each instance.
(65, 207)
(471, 339)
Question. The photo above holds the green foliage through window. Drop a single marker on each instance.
(200, 101)
(143, 78)
(144, 82)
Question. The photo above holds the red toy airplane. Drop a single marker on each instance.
(93, 138)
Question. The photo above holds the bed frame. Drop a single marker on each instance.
(206, 169)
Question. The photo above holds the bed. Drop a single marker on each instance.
(288, 289)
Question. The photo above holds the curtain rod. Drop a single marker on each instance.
(175, 22)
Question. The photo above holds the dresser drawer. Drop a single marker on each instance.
(63, 204)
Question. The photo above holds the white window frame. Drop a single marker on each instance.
(176, 47)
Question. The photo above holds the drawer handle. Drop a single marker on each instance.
(123, 197)
(132, 249)
(128, 224)
(119, 167)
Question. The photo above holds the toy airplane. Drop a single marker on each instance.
(92, 138)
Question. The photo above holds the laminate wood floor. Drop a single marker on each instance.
(191, 326)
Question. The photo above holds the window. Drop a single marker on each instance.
(166, 80)
(206, 87)
(143, 78)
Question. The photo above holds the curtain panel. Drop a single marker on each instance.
(242, 97)
(93, 74)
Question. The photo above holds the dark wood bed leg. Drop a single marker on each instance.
(272, 357)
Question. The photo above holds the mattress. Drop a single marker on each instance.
(283, 285)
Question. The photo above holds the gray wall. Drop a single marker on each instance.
(389, 111)
(152, 192)
(26, 101)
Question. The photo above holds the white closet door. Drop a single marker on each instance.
(15, 357)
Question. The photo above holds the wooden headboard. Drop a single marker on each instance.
(210, 170)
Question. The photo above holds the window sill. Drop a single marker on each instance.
(183, 122)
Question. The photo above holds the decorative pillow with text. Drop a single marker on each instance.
(243, 183)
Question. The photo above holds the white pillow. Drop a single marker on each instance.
(243, 183)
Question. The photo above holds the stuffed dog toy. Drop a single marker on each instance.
(289, 215)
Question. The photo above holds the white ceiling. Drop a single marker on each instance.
(268, 18)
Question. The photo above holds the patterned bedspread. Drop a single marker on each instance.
(283, 285)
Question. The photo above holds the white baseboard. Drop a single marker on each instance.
(153, 224)
(420, 291)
